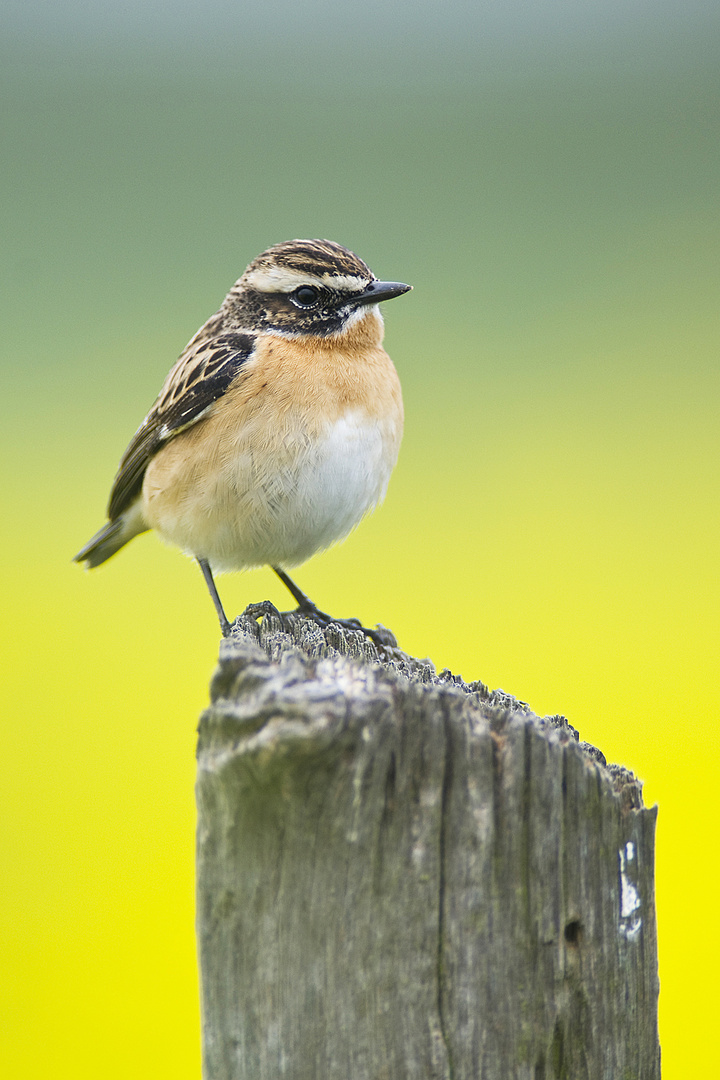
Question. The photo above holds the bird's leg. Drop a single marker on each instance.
(209, 581)
(306, 607)
(304, 602)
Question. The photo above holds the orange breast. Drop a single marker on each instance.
(303, 414)
(320, 379)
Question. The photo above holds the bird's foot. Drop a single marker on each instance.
(257, 611)
(380, 636)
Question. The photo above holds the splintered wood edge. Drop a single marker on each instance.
(297, 644)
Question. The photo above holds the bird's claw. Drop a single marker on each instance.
(382, 637)
(263, 608)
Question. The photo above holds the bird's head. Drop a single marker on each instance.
(307, 287)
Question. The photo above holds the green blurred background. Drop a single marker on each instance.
(546, 175)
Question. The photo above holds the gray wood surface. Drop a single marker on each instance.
(403, 876)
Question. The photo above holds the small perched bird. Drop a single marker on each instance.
(277, 429)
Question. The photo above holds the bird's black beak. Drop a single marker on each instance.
(381, 290)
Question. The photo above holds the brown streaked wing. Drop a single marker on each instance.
(200, 377)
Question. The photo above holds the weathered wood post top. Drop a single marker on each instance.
(404, 876)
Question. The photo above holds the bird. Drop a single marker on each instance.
(277, 429)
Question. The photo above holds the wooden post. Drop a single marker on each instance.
(403, 877)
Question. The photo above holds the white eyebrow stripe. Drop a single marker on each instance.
(282, 279)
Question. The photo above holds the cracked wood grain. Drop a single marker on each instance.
(404, 876)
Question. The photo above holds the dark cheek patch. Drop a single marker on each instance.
(277, 304)
(276, 311)
(281, 313)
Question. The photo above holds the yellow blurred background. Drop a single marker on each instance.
(546, 176)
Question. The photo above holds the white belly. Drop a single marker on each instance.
(278, 501)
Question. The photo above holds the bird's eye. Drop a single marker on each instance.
(306, 295)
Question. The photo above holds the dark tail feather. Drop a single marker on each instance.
(105, 543)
